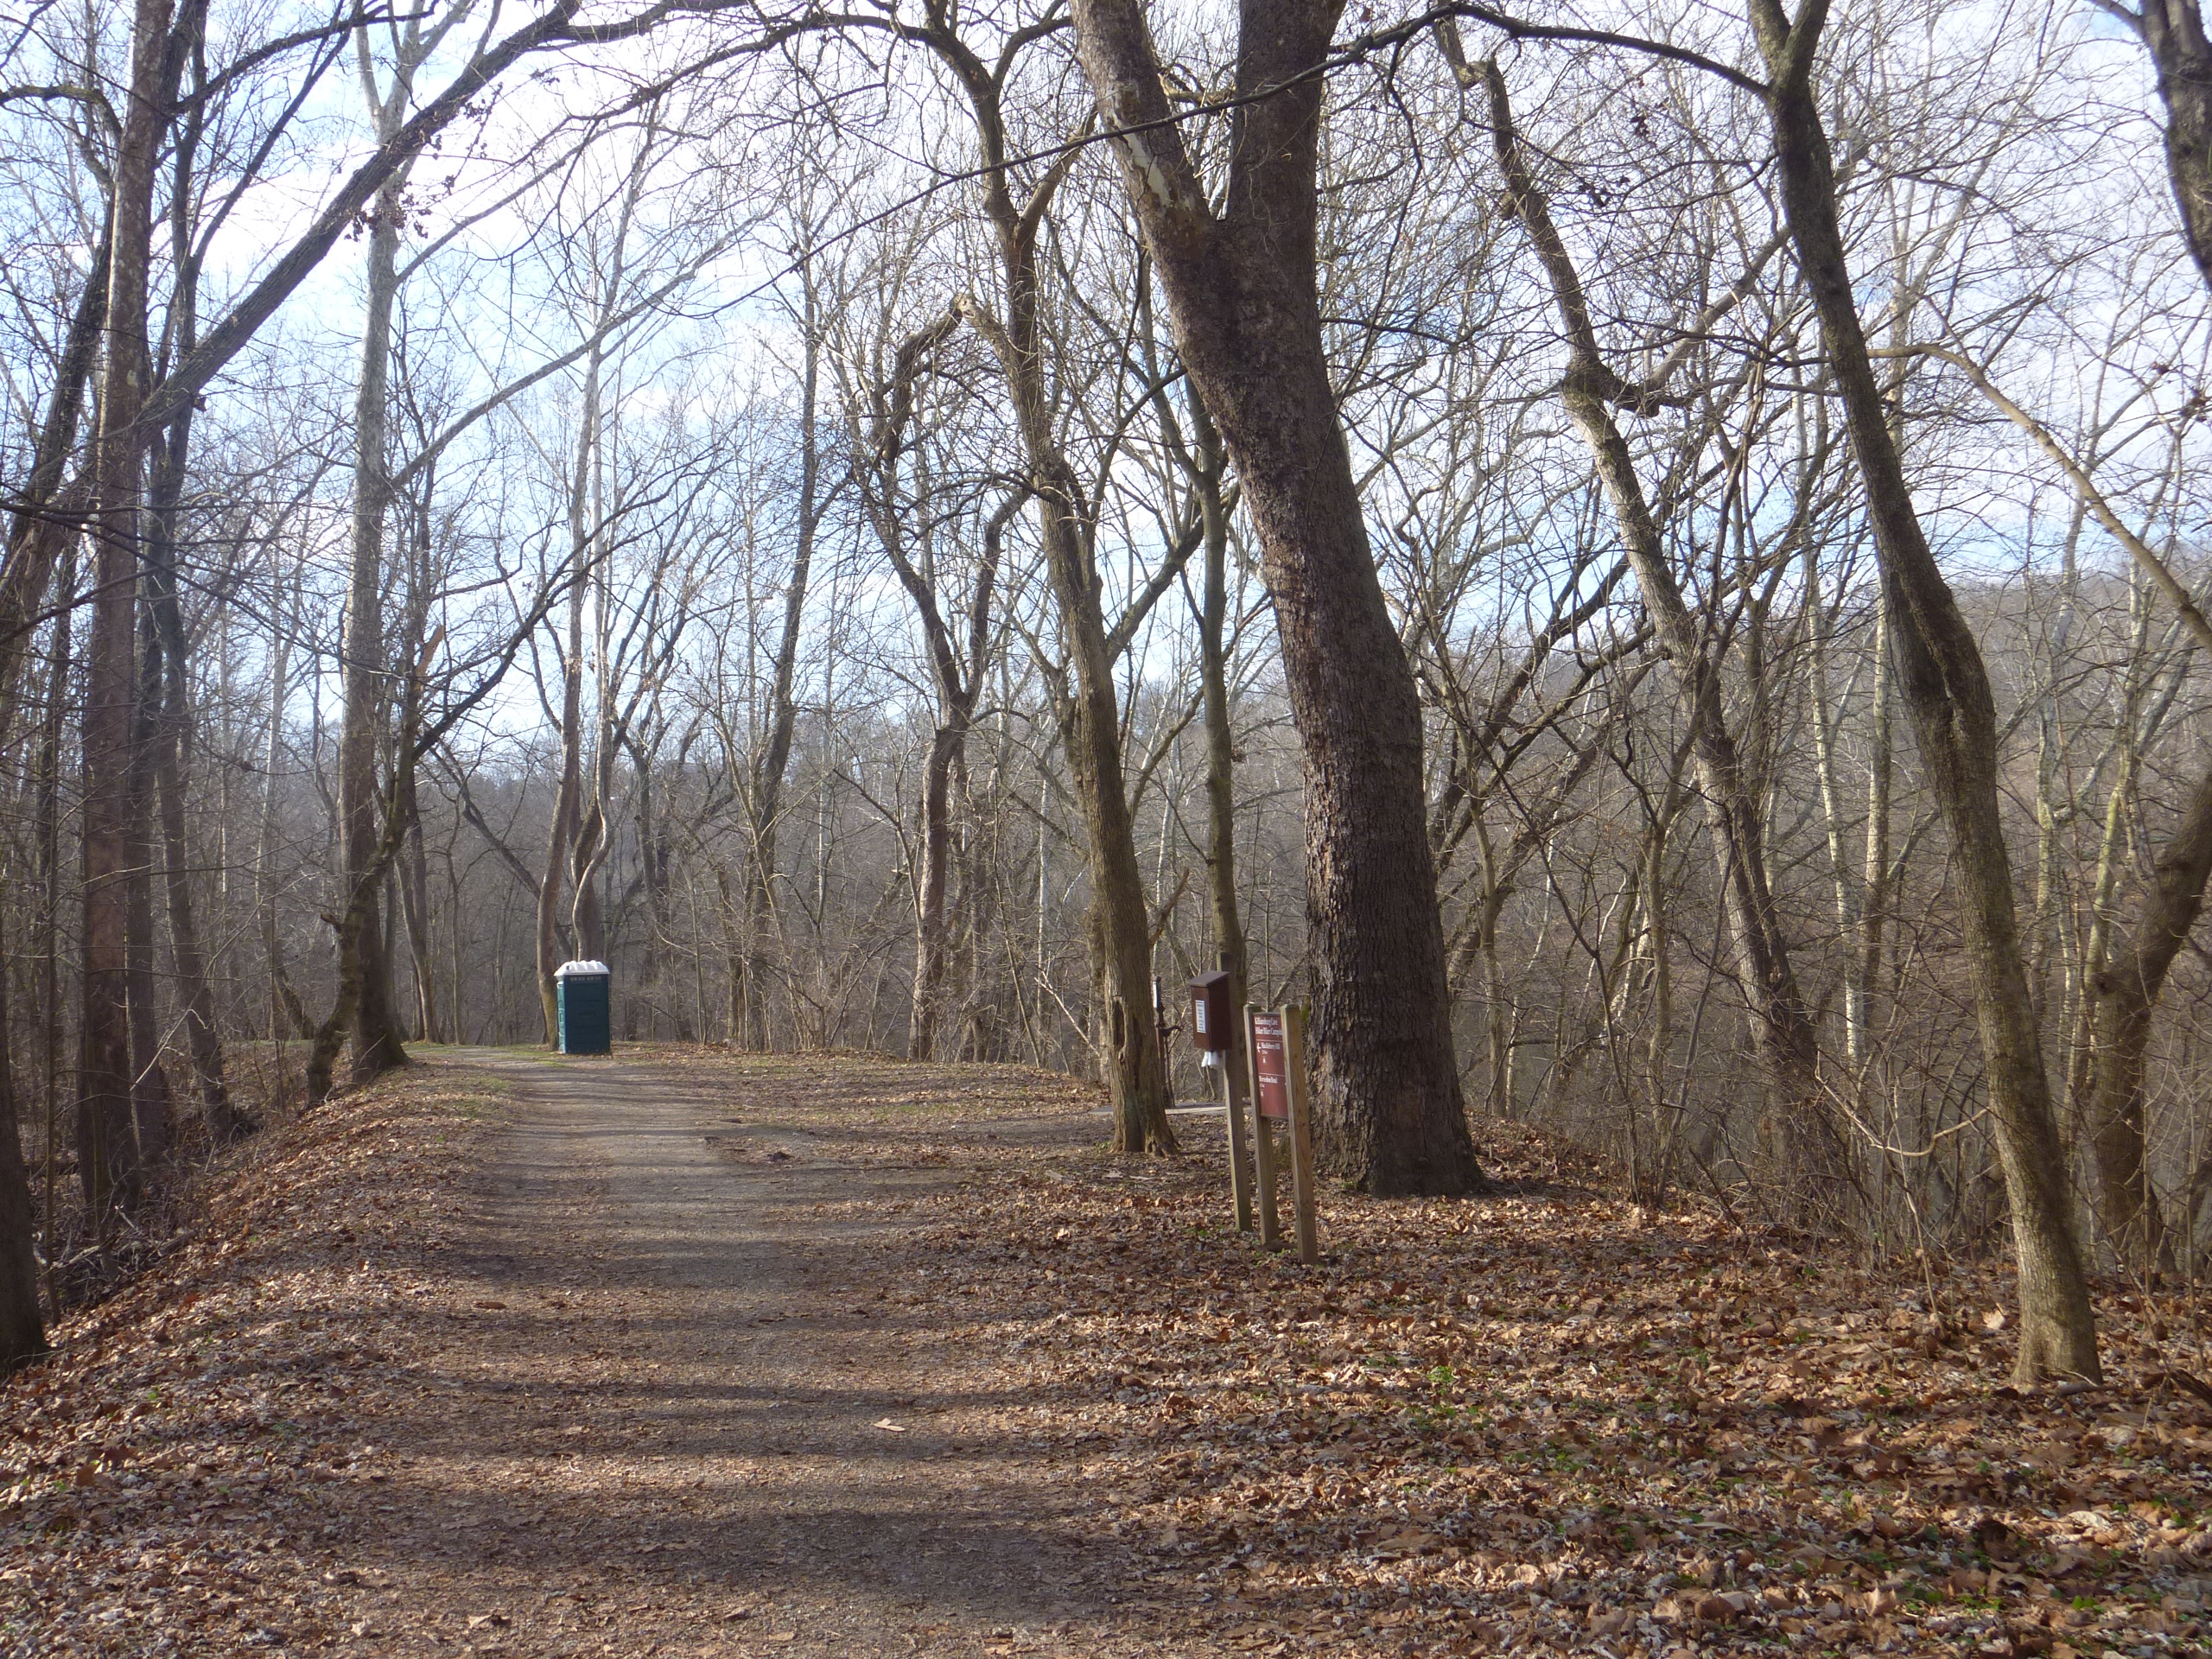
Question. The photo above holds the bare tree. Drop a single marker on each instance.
(1242, 290)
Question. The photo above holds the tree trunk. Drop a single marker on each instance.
(564, 851)
(172, 741)
(107, 1164)
(360, 909)
(153, 1113)
(284, 1006)
(766, 797)
(415, 897)
(933, 929)
(2124, 995)
(1243, 296)
(38, 541)
(956, 668)
(1781, 1028)
(2125, 1000)
(587, 916)
(1120, 919)
(1231, 955)
(1944, 686)
(22, 1331)
(367, 681)
(2174, 32)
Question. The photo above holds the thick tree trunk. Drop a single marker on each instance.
(1135, 1071)
(399, 815)
(1243, 293)
(587, 922)
(353, 922)
(107, 1150)
(1944, 686)
(560, 836)
(587, 916)
(415, 897)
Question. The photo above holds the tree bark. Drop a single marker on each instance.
(172, 718)
(958, 663)
(22, 1331)
(36, 540)
(153, 1112)
(563, 834)
(377, 1046)
(1231, 955)
(1243, 296)
(415, 896)
(203, 1038)
(765, 799)
(2125, 999)
(1944, 686)
(107, 1164)
(1121, 922)
(1782, 1027)
(2174, 32)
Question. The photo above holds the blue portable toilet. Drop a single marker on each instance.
(587, 1019)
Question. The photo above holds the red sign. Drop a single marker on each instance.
(1270, 1065)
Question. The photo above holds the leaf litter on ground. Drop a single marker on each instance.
(1549, 1419)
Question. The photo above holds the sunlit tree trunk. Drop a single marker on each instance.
(1243, 293)
(377, 1046)
(1944, 686)
(1121, 923)
(1781, 1028)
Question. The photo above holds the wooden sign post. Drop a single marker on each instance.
(1263, 1041)
(1301, 1136)
(1276, 1037)
(1232, 1103)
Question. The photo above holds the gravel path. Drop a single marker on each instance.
(685, 1416)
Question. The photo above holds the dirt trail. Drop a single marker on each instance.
(684, 1417)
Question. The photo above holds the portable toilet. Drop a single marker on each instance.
(587, 1022)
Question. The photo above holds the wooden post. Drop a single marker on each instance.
(1301, 1135)
(1240, 1173)
(1264, 1139)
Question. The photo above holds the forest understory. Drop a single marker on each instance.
(364, 1403)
